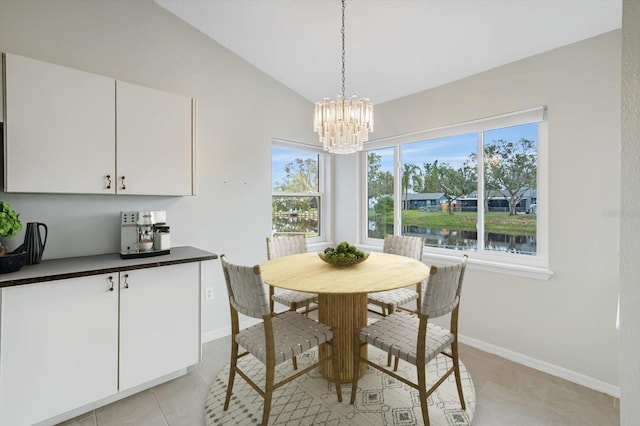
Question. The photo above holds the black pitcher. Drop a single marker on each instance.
(33, 242)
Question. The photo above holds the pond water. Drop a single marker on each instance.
(462, 239)
(288, 223)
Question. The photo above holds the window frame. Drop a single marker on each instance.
(536, 266)
(325, 167)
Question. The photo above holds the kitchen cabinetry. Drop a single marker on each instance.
(69, 131)
(159, 322)
(59, 129)
(69, 343)
(152, 127)
(58, 348)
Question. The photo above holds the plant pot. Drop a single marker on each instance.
(13, 261)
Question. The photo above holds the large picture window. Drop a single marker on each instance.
(472, 187)
(297, 188)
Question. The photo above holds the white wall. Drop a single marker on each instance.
(239, 110)
(629, 222)
(568, 321)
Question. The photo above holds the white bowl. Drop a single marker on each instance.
(145, 245)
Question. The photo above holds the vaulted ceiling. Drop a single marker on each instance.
(393, 47)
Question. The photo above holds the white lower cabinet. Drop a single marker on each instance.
(59, 347)
(159, 322)
(69, 343)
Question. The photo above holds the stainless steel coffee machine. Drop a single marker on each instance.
(143, 234)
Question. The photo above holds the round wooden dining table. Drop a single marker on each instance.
(342, 295)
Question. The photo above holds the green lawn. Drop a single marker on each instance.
(494, 222)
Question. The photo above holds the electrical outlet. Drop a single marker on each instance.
(208, 293)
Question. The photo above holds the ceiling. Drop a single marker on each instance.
(393, 47)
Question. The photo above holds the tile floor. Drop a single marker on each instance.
(507, 394)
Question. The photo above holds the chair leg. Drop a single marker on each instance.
(391, 309)
(294, 360)
(356, 366)
(232, 372)
(456, 372)
(335, 369)
(395, 364)
(422, 390)
(268, 393)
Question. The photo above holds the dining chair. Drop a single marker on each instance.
(285, 246)
(275, 340)
(389, 300)
(415, 340)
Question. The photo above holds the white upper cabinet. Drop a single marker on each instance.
(73, 132)
(59, 129)
(154, 140)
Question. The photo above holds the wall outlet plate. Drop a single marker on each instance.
(208, 293)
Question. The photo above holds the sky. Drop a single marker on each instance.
(453, 150)
(280, 157)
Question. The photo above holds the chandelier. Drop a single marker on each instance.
(343, 125)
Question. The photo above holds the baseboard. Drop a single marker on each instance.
(528, 361)
(544, 366)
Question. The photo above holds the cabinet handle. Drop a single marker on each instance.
(108, 181)
(126, 284)
(123, 185)
(110, 281)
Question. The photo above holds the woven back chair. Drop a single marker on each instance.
(275, 340)
(285, 246)
(413, 339)
(389, 300)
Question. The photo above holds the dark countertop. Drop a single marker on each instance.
(73, 267)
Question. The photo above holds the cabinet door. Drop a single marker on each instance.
(159, 322)
(60, 129)
(58, 349)
(154, 138)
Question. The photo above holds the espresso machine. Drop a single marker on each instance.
(143, 234)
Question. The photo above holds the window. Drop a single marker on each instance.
(471, 187)
(297, 190)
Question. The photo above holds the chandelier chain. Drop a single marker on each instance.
(343, 50)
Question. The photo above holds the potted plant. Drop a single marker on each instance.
(10, 225)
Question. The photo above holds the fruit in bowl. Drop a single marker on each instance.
(343, 254)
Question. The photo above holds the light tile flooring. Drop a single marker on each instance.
(507, 394)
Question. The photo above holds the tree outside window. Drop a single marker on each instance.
(296, 199)
(380, 192)
(441, 191)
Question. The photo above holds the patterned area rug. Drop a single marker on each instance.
(311, 399)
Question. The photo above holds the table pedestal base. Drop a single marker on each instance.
(345, 314)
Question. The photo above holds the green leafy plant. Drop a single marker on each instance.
(343, 254)
(10, 224)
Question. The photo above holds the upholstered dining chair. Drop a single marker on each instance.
(417, 341)
(389, 300)
(275, 340)
(285, 246)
